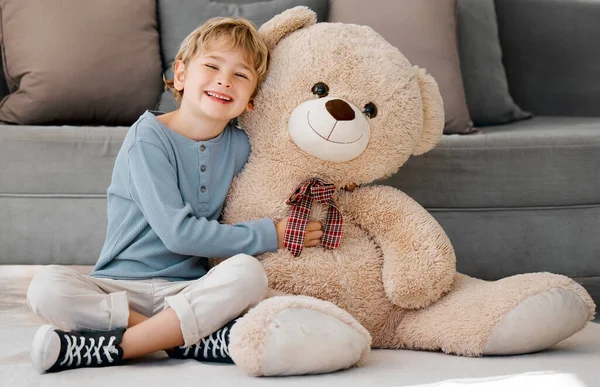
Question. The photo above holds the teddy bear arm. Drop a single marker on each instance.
(419, 264)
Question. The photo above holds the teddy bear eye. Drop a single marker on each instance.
(320, 89)
(370, 110)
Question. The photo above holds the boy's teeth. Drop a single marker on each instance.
(218, 96)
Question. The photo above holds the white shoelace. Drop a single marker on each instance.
(74, 350)
(218, 342)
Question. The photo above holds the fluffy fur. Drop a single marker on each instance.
(395, 270)
(248, 340)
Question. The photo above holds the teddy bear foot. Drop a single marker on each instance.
(296, 335)
(538, 322)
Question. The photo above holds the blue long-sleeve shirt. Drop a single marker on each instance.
(164, 202)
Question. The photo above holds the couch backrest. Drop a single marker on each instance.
(551, 53)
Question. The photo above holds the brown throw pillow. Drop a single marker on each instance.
(425, 32)
(79, 62)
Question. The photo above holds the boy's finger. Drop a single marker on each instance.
(313, 226)
(311, 235)
(311, 243)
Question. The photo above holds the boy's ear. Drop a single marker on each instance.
(250, 106)
(178, 75)
(285, 23)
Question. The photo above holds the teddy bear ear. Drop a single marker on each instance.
(433, 112)
(285, 23)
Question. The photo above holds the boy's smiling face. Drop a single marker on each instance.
(217, 84)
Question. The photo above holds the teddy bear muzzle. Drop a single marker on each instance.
(330, 129)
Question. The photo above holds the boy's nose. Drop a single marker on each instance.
(224, 80)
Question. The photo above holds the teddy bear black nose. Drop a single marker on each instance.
(340, 110)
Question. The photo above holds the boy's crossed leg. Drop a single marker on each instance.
(187, 327)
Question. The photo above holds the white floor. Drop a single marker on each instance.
(573, 363)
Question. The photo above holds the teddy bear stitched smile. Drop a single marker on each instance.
(329, 128)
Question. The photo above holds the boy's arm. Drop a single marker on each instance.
(154, 188)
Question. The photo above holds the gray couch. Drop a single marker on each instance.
(514, 198)
(525, 196)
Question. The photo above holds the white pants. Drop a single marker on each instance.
(74, 301)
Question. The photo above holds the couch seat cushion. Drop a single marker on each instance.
(57, 160)
(544, 161)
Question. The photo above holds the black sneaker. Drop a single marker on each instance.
(54, 350)
(212, 349)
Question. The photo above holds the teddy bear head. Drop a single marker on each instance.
(339, 102)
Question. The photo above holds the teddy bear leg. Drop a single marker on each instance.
(296, 335)
(519, 314)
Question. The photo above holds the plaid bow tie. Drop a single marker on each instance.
(301, 202)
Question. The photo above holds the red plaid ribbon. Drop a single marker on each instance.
(301, 202)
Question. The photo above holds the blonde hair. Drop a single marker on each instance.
(239, 33)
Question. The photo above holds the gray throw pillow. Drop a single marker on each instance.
(177, 18)
(484, 77)
(79, 62)
(3, 86)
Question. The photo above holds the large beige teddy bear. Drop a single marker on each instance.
(343, 107)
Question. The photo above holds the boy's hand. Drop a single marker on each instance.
(312, 237)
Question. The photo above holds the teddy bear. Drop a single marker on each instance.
(341, 107)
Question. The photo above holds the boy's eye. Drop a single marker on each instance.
(241, 75)
(213, 67)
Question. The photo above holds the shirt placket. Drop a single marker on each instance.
(203, 176)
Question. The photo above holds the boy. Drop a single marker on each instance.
(150, 289)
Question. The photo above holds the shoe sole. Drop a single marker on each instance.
(38, 348)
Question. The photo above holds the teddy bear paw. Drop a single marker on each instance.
(296, 335)
(539, 322)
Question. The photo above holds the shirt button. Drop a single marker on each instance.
(203, 168)
(202, 148)
(202, 189)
